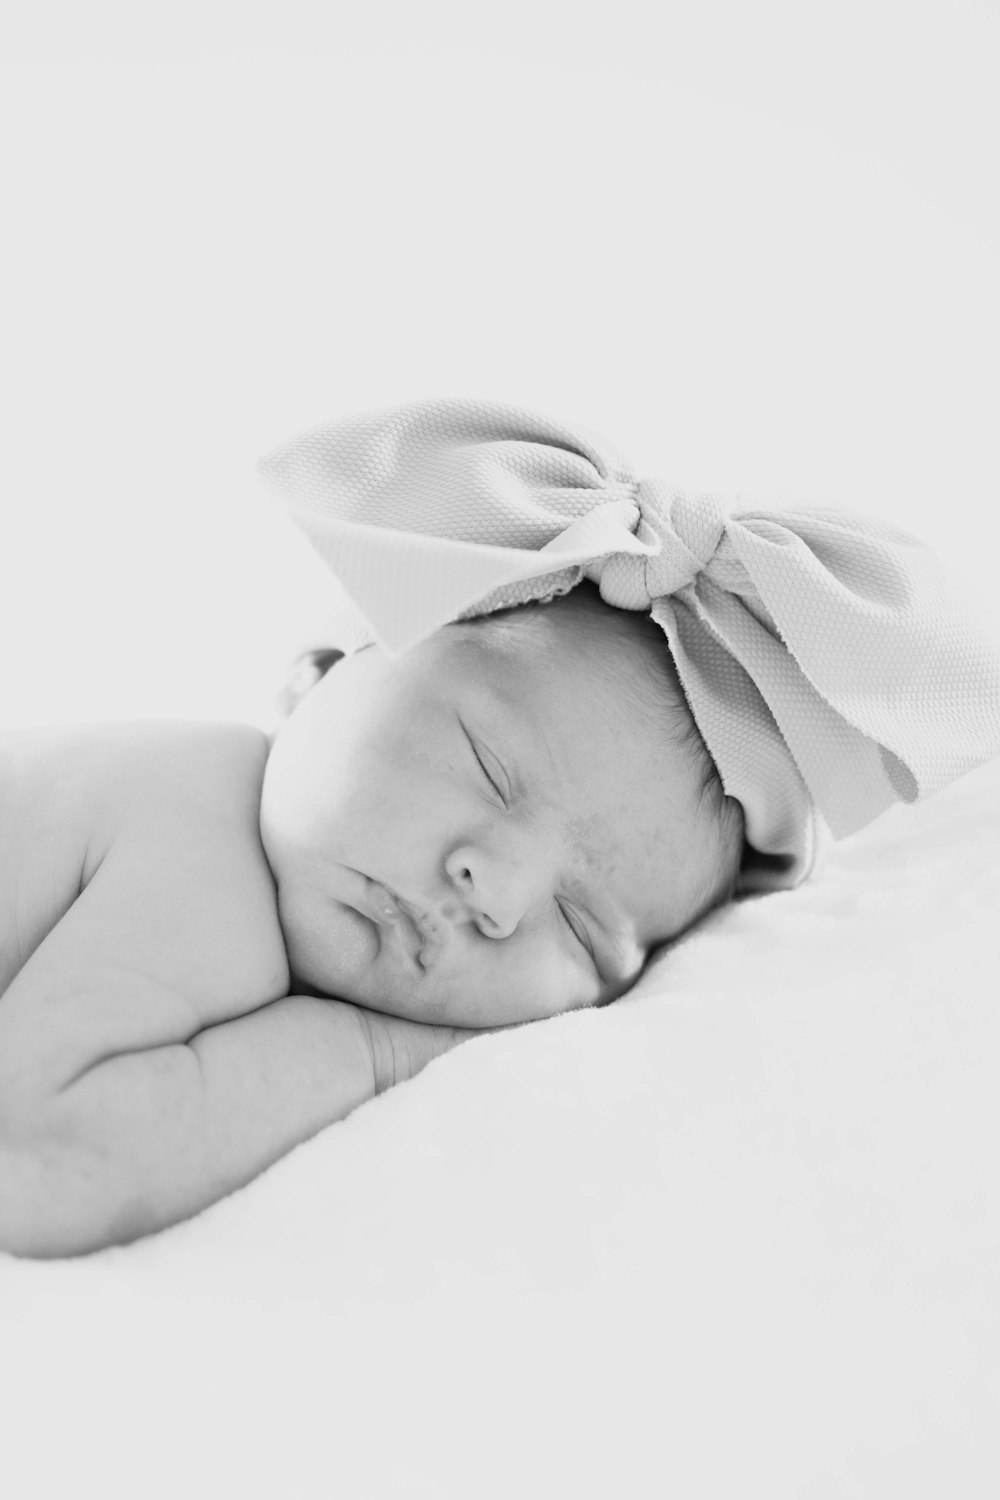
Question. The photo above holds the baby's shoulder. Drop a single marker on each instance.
(82, 783)
(150, 771)
(70, 794)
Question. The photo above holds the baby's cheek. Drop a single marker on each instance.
(328, 945)
(509, 986)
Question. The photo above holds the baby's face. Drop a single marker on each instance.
(499, 798)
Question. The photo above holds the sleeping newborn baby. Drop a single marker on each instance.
(210, 948)
(597, 710)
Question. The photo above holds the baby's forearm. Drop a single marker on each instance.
(144, 1139)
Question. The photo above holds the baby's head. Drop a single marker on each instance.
(529, 786)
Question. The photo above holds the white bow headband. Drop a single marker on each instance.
(825, 663)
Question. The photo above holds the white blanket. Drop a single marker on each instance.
(737, 1235)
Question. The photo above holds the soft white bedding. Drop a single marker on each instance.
(737, 1235)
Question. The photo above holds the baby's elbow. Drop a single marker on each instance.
(26, 1217)
(54, 1204)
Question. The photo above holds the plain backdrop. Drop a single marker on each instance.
(757, 246)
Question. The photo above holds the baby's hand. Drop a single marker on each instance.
(399, 1049)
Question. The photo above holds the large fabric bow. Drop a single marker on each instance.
(827, 666)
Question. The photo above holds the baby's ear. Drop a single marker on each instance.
(322, 659)
(307, 669)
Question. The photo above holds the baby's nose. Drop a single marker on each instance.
(497, 894)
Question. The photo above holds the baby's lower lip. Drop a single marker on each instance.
(380, 904)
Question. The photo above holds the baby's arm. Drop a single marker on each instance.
(146, 1138)
(150, 1060)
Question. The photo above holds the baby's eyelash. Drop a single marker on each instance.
(486, 773)
(482, 767)
(574, 930)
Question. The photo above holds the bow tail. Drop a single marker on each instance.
(742, 683)
(868, 617)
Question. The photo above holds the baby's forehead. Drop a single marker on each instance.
(569, 628)
(561, 667)
(608, 708)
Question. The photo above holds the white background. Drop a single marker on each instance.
(756, 246)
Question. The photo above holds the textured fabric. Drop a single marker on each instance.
(826, 665)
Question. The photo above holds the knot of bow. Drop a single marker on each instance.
(682, 534)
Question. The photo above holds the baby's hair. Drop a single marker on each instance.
(654, 690)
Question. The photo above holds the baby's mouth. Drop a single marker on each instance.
(427, 931)
(419, 932)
